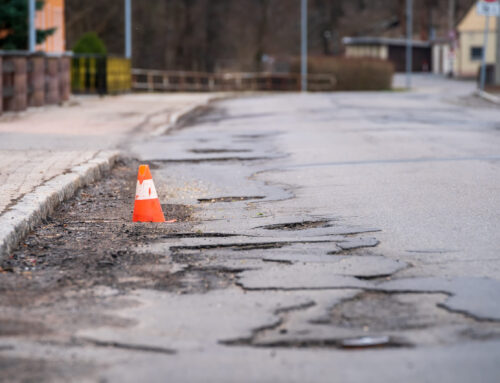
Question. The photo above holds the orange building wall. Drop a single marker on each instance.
(51, 16)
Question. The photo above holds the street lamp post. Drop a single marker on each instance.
(409, 42)
(31, 25)
(303, 46)
(128, 29)
(452, 37)
(497, 63)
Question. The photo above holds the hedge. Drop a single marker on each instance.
(358, 74)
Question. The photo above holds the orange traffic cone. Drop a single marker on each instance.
(147, 206)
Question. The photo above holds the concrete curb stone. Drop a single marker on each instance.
(16, 222)
(488, 97)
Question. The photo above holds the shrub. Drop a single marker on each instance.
(362, 73)
(90, 43)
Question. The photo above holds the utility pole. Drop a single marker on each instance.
(497, 62)
(128, 29)
(303, 46)
(31, 26)
(409, 42)
(451, 34)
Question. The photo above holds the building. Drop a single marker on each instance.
(52, 16)
(392, 49)
(471, 40)
(462, 56)
(443, 56)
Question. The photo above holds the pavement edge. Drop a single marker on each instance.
(33, 207)
(488, 97)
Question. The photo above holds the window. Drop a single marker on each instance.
(476, 53)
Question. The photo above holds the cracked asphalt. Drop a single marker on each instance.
(322, 237)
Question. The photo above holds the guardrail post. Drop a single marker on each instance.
(199, 82)
(37, 81)
(182, 83)
(239, 82)
(211, 83)
(165, 81)
(150, 82)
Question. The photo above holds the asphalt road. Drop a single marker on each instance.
(345, 237)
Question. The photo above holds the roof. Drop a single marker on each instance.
(383, 41)
(473, 22)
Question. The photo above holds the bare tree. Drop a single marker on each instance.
(211, 35)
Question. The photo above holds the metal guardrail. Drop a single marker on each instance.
(179, 81)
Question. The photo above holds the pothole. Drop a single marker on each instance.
(358, 243)
(198, 235)
(229, 199)
(11, 327)
(125, 346)
(209, 159)
(232, 246)
(261, 246)
(181, 213)
(370, 320)
(196, 280)
(216, 151)
(302, 225)
(251, 136)
(377, 311)
(343, 343)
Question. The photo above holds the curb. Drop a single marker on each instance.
(488, 97)
(32, 208)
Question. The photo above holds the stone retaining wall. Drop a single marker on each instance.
(32, 80)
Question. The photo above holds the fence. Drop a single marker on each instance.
(155, 80)
(100, 74)
(32, 80)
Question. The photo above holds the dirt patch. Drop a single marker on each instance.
(12, 327)
(39, 370)
(81, 262)
(90, 241)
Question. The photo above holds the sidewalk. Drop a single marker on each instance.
(42, 144)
